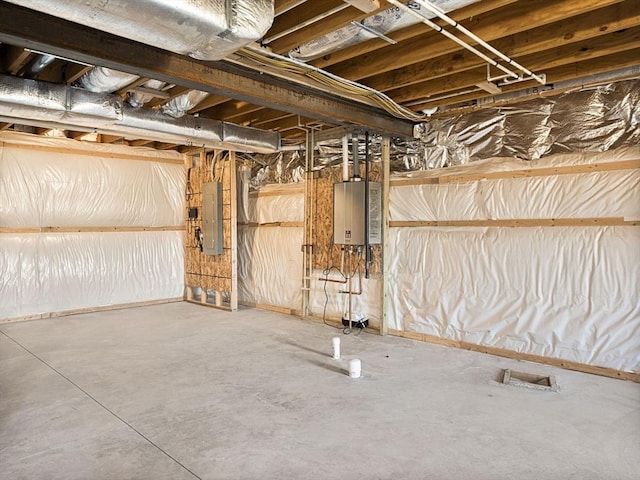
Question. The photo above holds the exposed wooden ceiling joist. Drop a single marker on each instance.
(23, 27)
(496, 24)
(548, 37)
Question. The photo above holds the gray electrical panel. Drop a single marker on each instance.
(212, 238)
(349, 213)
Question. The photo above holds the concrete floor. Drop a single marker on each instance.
(181, 391)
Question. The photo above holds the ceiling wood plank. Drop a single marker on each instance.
(582, 27)
(15, 59)
(210, 101)
(74, 71)
(577, 70)
(136, 83)
(540, 62)
(494, 25)
(282, 6)
(309, 12)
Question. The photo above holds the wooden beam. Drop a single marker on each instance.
(140, 143)
(136, 83)
(571, 71)
(496, 24)
(24, 27)
(74, 71)
(521, 222)
(210, 101)
(303, 15)
(5, 126)
(613, 43)
(15, 59)
(603, 21)
(282, 6)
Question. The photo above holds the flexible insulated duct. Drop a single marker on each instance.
(202, 29)
(65, 106)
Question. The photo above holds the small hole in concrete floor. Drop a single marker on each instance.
(528, 380)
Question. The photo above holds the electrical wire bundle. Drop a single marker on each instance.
(330, 80)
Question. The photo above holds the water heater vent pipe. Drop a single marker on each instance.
(345, 158)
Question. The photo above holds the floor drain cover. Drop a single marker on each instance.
(527, 380)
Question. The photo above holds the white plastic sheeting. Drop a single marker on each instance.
(280, 208)
(40, 189)
(43, 184)
(270, 258)
(563, 292)
(56, 272)
(270, 266)
(586, 195)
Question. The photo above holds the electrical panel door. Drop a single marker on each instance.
(212, 238)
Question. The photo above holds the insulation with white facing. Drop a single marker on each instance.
(49, 184)
(565, 292)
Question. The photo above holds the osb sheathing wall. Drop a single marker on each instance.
(216, 273)
(326, 254)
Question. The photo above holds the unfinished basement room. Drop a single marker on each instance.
(319, 239)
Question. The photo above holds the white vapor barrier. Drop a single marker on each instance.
(570, 293)
(54, 272)
(586, 195)
(270, 266)
(327, 300)
(612, 193)
(277, 208)
(43, 188)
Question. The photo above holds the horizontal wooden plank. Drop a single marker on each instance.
(263, 306)
(523, 173)
(272, 224)
(277, 193)
(92, 153)
(89, 229)
(78, 311)
(521, 222)
(501, 352)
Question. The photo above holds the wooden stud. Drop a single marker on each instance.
(386, 245)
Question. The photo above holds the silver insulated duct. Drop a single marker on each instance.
(62, 106)
(202, 29)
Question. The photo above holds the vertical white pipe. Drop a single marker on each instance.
(345, 158)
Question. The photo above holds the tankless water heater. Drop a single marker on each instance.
(349, 213)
